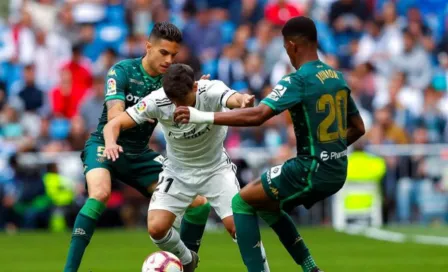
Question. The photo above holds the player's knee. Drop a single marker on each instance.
(157, 231)
(198, 201)
(241, 206)
(100, 194)
(198, 214)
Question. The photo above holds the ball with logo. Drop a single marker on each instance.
(162, 261)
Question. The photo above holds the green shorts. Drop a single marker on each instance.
(300, 181)
(139, 171)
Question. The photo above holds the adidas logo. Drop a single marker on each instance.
(80, 232)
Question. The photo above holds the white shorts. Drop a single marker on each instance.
(178, 187)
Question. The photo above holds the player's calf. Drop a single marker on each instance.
(194, 222)
(165, 236)
(99, 187)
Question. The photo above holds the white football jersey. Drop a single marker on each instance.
(188, 145)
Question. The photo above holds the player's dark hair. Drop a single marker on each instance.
(300, 27)
(178, 81)
(166, 31)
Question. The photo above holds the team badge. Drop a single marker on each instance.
(111, 87)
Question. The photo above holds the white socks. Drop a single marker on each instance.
(265, 259)
(172, 243)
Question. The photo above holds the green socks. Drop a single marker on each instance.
(82, 232)
(248, 234)
(283, 225)
(193, 226)
(249, 239)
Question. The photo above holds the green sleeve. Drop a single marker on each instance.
(116, 82)
(286, 94)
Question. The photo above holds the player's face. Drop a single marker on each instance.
(161, 54)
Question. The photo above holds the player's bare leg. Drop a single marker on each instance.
(99, 188)
(253, 200)
(160, 228)
(192, 225)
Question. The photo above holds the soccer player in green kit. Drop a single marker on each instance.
(326, 121)
(127, 82)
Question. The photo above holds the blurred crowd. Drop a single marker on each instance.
(54, 55)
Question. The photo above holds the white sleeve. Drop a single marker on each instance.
(218, 93)
(144, 110)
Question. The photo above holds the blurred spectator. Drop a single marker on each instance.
(140, 17)
(262, 38)
(66, 26)
(412, 186)
(131, 48)
(377, 46)
(51, 50)
(66, 97)
(92, 107)
(78, 134)
(255, 75)
(203, 35)
(32, 97)
(347, 19)
(230, 65)
(18, 42)
(432, 118)
(406, 101)
(107, 59)
(414, 62)
(185, 56)
(385, 130)
(280, 11)
(418, 28)
(92, 45)
(43, 13)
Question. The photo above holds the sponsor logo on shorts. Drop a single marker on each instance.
(276, 171)
(325, 156)
(160, 159)
(111, 87)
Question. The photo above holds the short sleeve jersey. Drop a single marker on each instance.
(318, 99)
(188, 145)
(129, 82)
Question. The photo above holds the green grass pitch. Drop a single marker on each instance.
(121, 250)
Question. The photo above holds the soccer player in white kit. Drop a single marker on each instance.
(196, 164)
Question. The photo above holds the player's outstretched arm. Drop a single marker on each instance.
(238, 100)
(111, 133)
(114, 108)
(355, 129)
(239, 118)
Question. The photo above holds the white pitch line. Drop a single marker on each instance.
(395, 237)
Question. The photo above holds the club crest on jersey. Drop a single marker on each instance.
(111, 87)
(141, 106)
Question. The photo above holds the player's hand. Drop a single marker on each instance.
(205, 77)
(247, 101)
(112, 151)
(182, 115)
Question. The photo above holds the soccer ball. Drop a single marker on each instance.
(162, 261)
